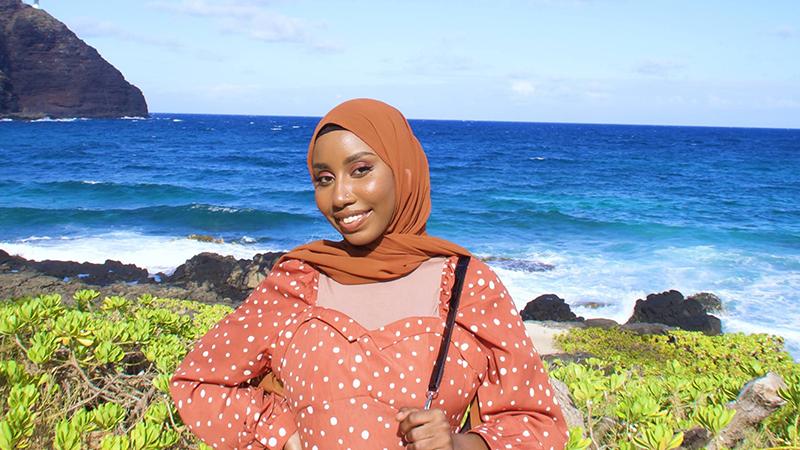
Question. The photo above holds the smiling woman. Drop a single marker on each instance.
(348, 330)
(353, 187)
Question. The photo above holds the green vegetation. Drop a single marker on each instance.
(95, 375)
(646, 392)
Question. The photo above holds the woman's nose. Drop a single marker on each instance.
(342, 195)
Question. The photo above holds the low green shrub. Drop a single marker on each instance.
(646, 391)
(95, 375)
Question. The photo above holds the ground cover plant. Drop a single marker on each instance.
(646, 391)
(92, 372)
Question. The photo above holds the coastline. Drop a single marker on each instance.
(210, 278)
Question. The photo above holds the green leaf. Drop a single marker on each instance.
(67, 437)
(108, 415)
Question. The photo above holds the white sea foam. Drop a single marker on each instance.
(537, 158)
(65, 119)
(295, 126)
(276, 129)
(759, 292)
(90, 182)
(177, 120)
(6, 119)
(132, 118)
(155, 253)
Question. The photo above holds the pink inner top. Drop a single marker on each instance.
(374, 305)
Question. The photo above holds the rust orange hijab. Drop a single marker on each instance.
(405, 244)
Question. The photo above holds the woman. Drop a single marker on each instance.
(351, 328)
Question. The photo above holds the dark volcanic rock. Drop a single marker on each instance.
(710, 302)
(29, 283)
(549, 307)
(670, 308)
(206, 277)
(99, 274)
(46, 70)
(226, 275)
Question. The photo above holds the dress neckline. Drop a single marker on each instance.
(353, 329)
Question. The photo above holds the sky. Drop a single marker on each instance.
(706, 63)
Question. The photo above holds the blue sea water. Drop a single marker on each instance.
(593, 213)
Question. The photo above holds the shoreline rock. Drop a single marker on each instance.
(48, 71)
(207, 277)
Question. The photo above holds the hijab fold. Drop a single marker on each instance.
(405, 244)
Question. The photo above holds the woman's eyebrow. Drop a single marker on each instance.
(347, 160)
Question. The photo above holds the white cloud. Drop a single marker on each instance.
(253, 20)
(89, 28)
(523, 87)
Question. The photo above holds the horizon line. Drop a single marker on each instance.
(501, 121)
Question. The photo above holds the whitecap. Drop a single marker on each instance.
(154, 253)
(177, 120)
(751, 286)
(48, 119)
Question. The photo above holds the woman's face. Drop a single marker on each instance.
(353, 187)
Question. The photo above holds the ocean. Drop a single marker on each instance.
(601, 214)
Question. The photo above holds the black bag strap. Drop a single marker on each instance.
(455, 296)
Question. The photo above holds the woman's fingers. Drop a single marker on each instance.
(424, 429)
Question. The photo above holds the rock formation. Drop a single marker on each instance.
(549, 307)
(670, 308)
(207, 277)
(47, 71)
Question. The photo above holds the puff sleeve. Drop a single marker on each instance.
(518, 407)
(210, 387)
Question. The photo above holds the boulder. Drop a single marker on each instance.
(549, 307)
(710, 302)
(605, 324)
(572, 414)
(46, 70)
(670, 308)
(757, 400)
(227, 276)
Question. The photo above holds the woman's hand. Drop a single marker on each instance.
(429, 429)
(293, 443)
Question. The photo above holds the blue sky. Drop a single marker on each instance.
(730, 63)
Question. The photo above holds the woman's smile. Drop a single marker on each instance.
(351, 223)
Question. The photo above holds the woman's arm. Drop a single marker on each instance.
(210, 387)
(517, 404)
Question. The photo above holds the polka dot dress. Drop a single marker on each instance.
(344, 383)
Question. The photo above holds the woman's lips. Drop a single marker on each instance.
(355, 224)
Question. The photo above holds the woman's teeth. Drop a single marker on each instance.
(352, 219)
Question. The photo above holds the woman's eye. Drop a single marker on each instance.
(363, 170)
(324, 180)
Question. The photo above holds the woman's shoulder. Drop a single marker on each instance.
(290, 278)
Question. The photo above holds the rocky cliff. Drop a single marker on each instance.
(46, 70)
